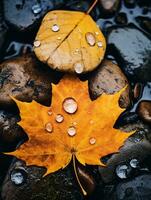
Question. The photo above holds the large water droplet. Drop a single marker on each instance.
(36, 9)
(78, 67)
(71, 131)
(92, 140)
(55, 28)
(90, 38)
(70, 105)
(37, 43)
(18, 176)
(59, 118)
(49, 127)
(134, 163)
(123, 171)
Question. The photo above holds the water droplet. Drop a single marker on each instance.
(59, 118)
(18, 176)
(78, 67)
(37, 43)
(36, 9)
(70, 105)
(90, 38)
(50, 111)
(55, 28)
(134, 163)
(49, 127)
(92, 140)
(122, 171)
(100, 44)
(71, 131)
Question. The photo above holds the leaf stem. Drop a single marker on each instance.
(92, 6)
(75, 170)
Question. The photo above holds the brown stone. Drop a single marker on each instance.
(137, 90)
(109, 6)
(144, 110)
(109, 78)
(25, 79)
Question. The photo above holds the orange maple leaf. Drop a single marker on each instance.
(73, 127)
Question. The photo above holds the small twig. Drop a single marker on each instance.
(91, 8)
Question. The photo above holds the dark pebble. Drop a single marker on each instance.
(24, 15)
(130, 3)
(145, 23)
(11, 134)
(61, 185)
(3, 31)
(135, 147)
(109, 6)
(134, 189)
(137, 90)
(121, 18)
(144, 110)
(132, 49)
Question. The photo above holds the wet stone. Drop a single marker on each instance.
(121, 18)
(134, 189)
(145, 23)
(109, 78)
(109, 6)
(56, 186)
(11, 134)
(82, 5)
(86, 179)
(3, 32)
(132, 49)
(136, 146)
(137, 90)
(17, 48)
(26, 15)
(24, 78)
(144, 110)
(130, 3)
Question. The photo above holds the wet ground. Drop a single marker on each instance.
(126, 25)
